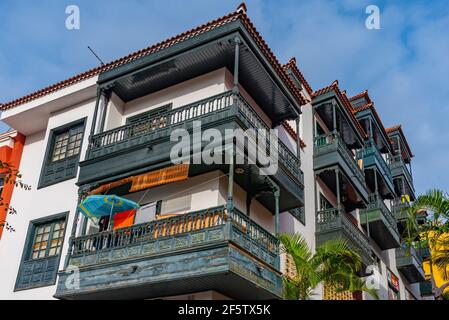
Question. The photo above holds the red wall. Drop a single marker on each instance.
(11, 156)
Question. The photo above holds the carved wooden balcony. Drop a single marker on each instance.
(209, 249)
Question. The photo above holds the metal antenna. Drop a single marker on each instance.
(96, 56)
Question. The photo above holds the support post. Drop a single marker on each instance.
(298, 139)
(105, 102)
(74, 228)
(276, 211)
(334, 118)
(337, 182)
(376, 187)
(237, 42)
(230, 202)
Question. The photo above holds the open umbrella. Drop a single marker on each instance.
(96, 206)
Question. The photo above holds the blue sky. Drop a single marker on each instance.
(404, 65)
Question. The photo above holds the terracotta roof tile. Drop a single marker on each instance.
(370, 106)
(292, 133)
(398, 128)
(240, 14)
(360, 95)
(345, 101)
(293, 66)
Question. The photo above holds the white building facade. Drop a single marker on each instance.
(202, 231)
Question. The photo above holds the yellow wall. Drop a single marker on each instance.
(438, 273)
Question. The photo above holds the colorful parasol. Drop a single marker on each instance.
(96, 206)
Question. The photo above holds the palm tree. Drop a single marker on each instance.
(333, 263)
(434, 233)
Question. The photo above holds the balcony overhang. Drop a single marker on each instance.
(201, 54)
(211, 249)
(381, 224)
(380, 137)
(410, 265)
(323, 106)
(334, 224)
(224, 269)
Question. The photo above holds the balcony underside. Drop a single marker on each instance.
(325, 162)
(409, 266)
(322, 237)
(199, 55)
(381, 230)
(222, 267)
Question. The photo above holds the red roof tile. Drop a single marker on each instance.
(239, 14)
(360, 95)
(344, 99)
(376, 115)
(292, 133)
(398, 128)
(293, 66)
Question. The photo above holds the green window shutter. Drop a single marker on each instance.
(39, 268)
(62, 154)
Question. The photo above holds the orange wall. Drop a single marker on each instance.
(11, 156)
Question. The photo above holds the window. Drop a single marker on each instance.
(67, 144)
(63, 152)
(42, 252)
(48, 240)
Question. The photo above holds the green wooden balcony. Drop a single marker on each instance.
(425, 288)
(330, 150)
(399, 210)
(334, 223)
(373, 158)
(399, 168)
(381, 223)
(209, 249)
(409, 264)
(146, 144)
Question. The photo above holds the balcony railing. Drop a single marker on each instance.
(407, 257)
(332, 141)
(376, 202)
(286, 157)
(162, 124)
(162, 235)
(398, 163)
(372, 151)
(334, 219)
(399, 209)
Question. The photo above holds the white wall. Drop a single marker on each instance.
(34, 204)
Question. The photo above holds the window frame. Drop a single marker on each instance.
(27, 249)
(47, 161)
